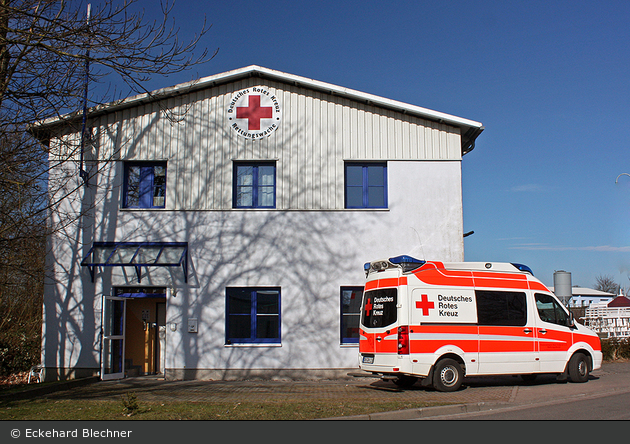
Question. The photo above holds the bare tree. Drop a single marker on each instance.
(50, 50)
(607, 284)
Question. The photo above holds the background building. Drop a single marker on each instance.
(583, 297)
(610, 319)
(225, 224)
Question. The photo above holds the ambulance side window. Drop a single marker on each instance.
(501, 308)
(549, 310)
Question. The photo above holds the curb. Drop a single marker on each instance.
(425, 412)
(37, 390)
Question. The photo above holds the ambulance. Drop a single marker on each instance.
(439, 322)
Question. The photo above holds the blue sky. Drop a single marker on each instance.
(550, 81)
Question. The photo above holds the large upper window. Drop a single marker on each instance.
(253, 315)
(366, 185)
(145, 185)
(254, 185)
(501, 308)
(350, 314)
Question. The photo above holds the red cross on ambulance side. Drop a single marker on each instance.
(425, 305)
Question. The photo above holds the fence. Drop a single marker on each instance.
(608, 322)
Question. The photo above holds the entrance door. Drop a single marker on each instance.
(113, 352)
(134, 332)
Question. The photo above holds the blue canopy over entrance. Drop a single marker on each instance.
(137, 255)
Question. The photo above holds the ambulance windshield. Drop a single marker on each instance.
(379, 308)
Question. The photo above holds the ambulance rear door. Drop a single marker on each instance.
(379, 323)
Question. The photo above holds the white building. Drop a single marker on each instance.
(610, 319)
(226, 222)
(583, 297)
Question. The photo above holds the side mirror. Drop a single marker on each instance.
(571, 320)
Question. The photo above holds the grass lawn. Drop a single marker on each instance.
(130, 408)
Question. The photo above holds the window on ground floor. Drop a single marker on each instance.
(253, 315)
(350, 313)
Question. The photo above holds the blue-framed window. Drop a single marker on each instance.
(366, 185)
(253, 315)
(350, 314)
(254, 185)
(145, 185)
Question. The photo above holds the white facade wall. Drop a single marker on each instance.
(317, 134)
(309, 245)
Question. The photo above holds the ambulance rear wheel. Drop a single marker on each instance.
(405, 381)
(578, 368)
(447, 375)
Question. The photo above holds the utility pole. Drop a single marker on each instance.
(82, 173)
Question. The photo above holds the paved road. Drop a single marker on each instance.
(609, 407)
(606, 396)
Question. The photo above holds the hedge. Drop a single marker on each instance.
(614, 349)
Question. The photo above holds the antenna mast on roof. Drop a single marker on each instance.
(82, 173)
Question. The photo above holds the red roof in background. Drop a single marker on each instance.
(619, 301)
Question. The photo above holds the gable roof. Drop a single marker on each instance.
(469, 129)
(620, 301)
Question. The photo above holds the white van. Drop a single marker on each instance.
(441, 321)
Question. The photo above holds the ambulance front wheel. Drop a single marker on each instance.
(447, 375)
(578, 368)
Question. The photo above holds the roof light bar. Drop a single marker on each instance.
(376, 266)
(366, 268)
(407, 263)
(524, 268)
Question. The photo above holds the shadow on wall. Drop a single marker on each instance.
(305, 252)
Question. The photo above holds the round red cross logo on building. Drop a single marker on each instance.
(254, 112)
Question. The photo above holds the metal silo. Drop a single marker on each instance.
(562, 286)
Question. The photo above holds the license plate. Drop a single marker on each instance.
(368, 359)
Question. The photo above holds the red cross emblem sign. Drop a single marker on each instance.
(254, 112)
(425, 305)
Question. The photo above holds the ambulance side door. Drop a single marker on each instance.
(506, 338)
